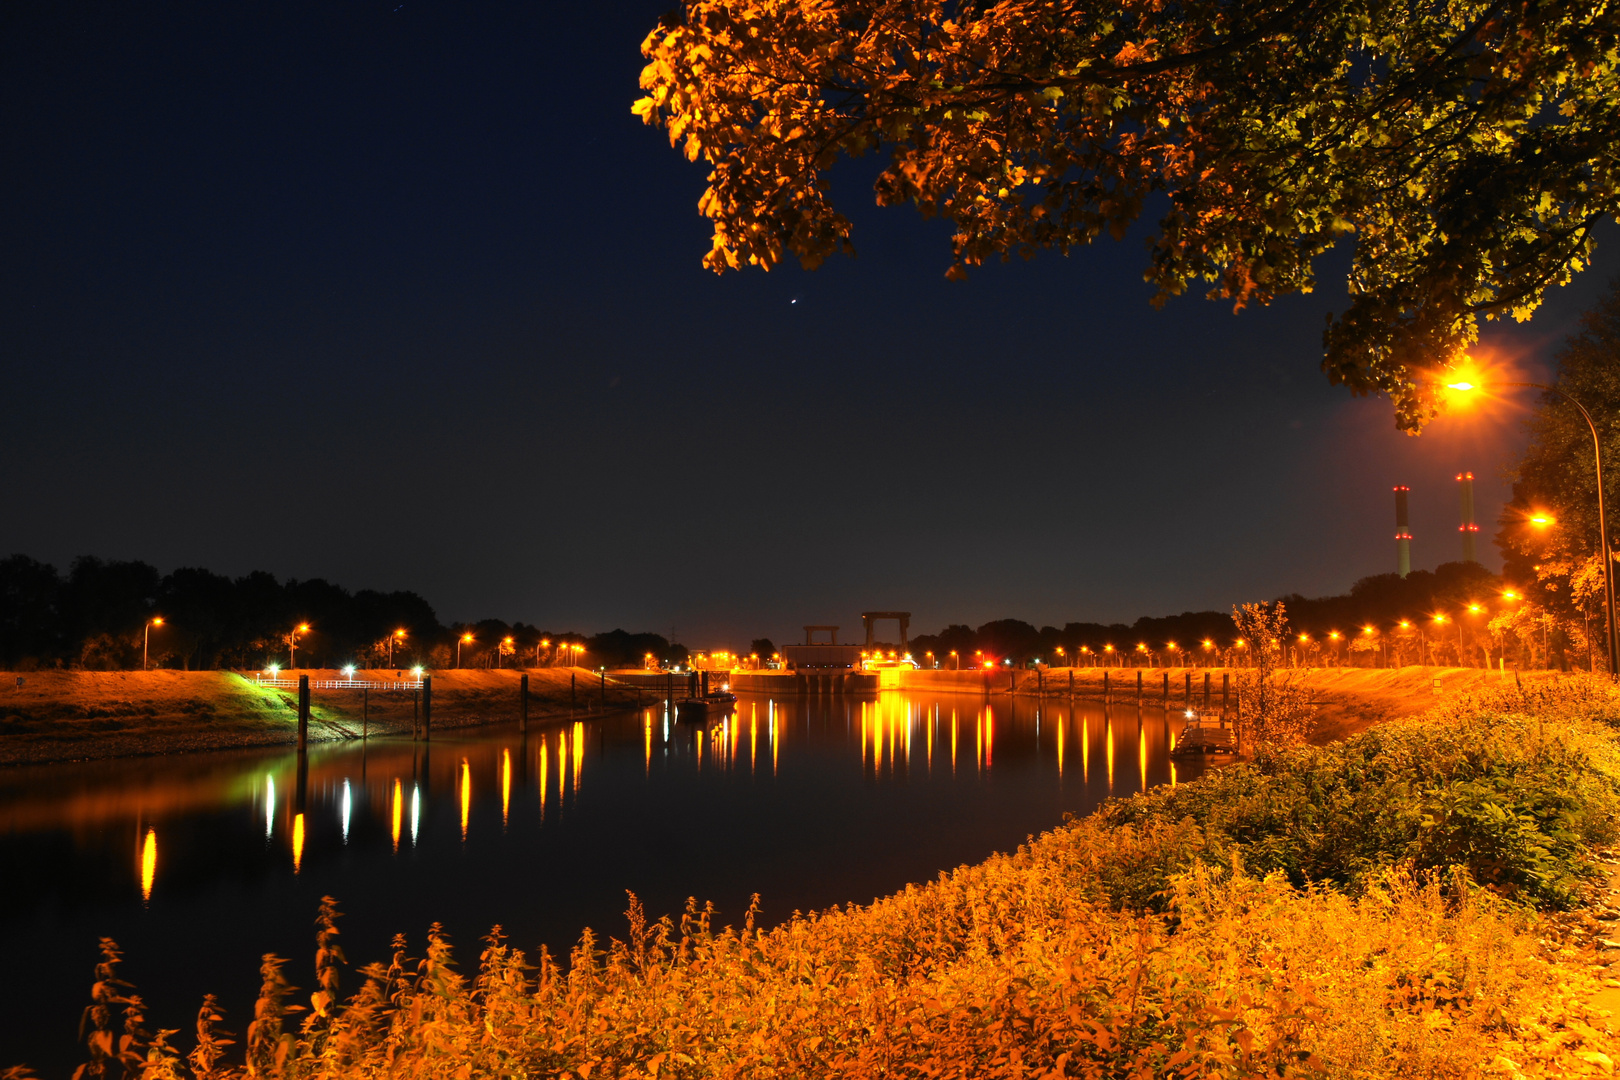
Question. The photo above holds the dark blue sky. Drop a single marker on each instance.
(403, 296)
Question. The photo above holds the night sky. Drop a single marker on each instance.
(403, 296)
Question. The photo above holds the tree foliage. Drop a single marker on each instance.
(1466, 145)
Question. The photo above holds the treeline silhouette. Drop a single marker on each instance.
(1381, 602)
(96, 616)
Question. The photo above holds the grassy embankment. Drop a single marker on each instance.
(1423, 899)
(1347, 700)
(65, 715)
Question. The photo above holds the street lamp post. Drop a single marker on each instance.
(397, 635)
(146, 637)
(292, 644)
(462, 640)
(1603, 526)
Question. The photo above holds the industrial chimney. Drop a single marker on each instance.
(1403, 533)
(1465, 483)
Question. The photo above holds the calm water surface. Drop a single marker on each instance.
(197, 864)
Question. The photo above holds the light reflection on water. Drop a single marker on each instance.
(197, 864)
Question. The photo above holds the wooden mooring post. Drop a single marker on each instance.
(573, 690)
(1165, 703)
(1139, 688)
(604, 691)
(1107, 694)
(427, 707)
(523, 702)
(1206, 691)
(303, 711)
(365, 712)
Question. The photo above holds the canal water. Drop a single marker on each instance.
(197, 864)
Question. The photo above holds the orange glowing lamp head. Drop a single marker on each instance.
(466, 637)
(399, 633)
(1475, 608)
(1405, 625)
(1304, 637)
(1541, 519)
(1439, 618)
(1334, 634)
(303, 628)
(1108, 648)
(1510, 595)
(157, 620)
(1367, 630)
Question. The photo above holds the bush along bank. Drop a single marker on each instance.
(1388, 906)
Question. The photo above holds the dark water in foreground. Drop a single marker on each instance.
(199, 863)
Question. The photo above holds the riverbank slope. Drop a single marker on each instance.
(78, 715)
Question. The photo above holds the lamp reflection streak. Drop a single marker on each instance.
(347, 807)
(269, 806)
(989, 737)
(466, 796)
(416, 811)
(397, 811)
(148, 864)
(298, 842)
(506, 785)
(1108, 741)
(543, 778)
(579, 755)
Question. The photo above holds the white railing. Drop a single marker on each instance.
(339, 684)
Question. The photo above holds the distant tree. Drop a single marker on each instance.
(31, 630)
(108, 602)
(1008, 639)
(762, 647)
(620, 648)
(1274, 710)
(1467, 147)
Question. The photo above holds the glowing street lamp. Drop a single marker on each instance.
(292, 644)
(956, 661)
(545, 643)
(1603, 525)
(399, 636)
(146, 636)
(465, 639)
